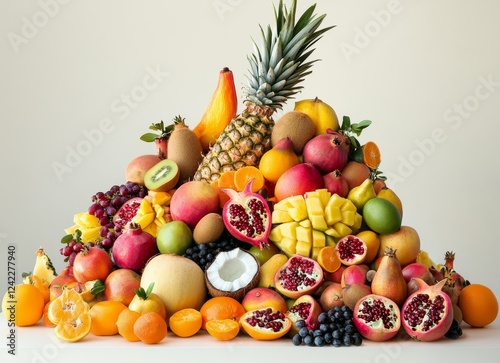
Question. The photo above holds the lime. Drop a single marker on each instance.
(381, 216)
(174, 237)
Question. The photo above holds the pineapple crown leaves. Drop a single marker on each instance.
(278, 66)
(163, 132)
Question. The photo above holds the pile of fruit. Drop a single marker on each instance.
(245, 226)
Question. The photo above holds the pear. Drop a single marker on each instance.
(362, 193)
(269, 268)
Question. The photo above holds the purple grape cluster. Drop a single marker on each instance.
(105, 205)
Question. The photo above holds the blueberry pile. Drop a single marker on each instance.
(203, 254)
(335, 328)
(455, 330)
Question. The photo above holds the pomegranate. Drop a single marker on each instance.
(388, 281)
(304, 308)
(417, 269)
(427, 314)
(265, 324)
(455, 280)
(247, 216)
(126, 212)
(335, 183)
(133, 248)
(351, 250)
(298, 276)
(261, 297)
(377, 317)
(327, 152)
(92, 263)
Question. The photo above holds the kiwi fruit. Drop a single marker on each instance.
(209, 228)
(185, 149)
(163, 176)
(295, 125)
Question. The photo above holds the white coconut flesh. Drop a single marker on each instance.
(232, 270)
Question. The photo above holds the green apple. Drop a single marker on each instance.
(174, 237)
(265, 254)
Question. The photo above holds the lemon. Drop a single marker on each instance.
(381, 216)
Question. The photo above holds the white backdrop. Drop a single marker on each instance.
(82, 80)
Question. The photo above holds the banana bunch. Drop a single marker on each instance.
(304, 224)
(153, 212)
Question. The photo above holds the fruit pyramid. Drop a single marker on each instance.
(326, 257)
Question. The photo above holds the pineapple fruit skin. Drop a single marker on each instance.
(242, 143)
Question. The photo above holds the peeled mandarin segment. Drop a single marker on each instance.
(245, 174)
(223, 329)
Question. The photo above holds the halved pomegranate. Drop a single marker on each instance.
(376, 317)
(427, 314)
(265, 324)
(305, 308)
(298, 276)
(126, 212)
(247, 216)
(351, 250)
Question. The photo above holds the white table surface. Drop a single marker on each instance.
(38, 344)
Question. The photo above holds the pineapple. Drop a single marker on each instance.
(44, 269)
(276, 69)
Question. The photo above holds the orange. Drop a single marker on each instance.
(371, 155)
(479, 305)
(74, 329)
(226, 180)
(40, 284)
(70, 313)
(372, 241)
(277, 160)
(223, 197)
(45, 316)
(151, 328)
(23, 304)
(104, 317)
(221, 307)
(223, 329)
(185, 322)
(125, 324)
(328, 259)
(66, 306)
(244, 175)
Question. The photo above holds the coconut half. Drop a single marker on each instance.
(232, 273)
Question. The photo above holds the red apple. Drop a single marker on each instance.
(120, 285)
(192, 201)
(298, 180)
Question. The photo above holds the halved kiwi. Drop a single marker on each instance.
(163, 176)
